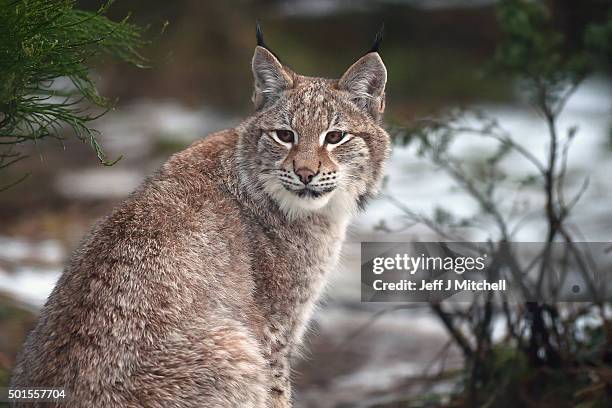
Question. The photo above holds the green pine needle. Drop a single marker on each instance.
(41, 41)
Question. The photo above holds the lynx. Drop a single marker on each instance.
(196, 291)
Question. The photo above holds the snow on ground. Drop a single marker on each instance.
(412, 180)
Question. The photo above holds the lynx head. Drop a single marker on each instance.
(315, 144)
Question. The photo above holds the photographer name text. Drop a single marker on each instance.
(440, 285)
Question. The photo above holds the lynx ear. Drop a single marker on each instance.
(271, 79)
(366, 80)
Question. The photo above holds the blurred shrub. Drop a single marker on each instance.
(547, 357)
(536, 51)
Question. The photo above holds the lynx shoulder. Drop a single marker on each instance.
(196, 290)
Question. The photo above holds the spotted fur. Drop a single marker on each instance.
(196, 290)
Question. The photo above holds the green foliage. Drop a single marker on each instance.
(534, 50)
(533, 47)
(598, 38)
(511, 381)
(41, 41)
(506, 368)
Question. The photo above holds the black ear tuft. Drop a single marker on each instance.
(378, 39)
(260, 39)
(259, 35)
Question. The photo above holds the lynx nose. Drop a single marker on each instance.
(305, 174)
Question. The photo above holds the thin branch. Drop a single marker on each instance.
(455, 333)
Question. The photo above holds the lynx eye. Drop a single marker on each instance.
(285, 136)
(334, 137)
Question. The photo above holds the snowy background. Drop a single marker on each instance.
(350, 359)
